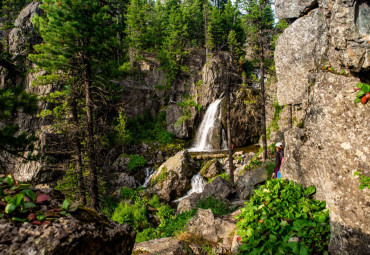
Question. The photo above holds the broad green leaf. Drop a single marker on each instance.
(31, 194)
(366, 88)
(360, 93)
(310, 190)
(24, 186)
(303, 250)
(29, 205)
(357, 100)
(65, 205)
(18, 219)
(40, 217)
(359, 85)
(10, 208)
(19, 200)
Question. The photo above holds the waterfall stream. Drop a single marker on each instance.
(203, 137)
(197, 186)
(149, 172)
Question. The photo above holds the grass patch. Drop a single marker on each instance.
(217, 207)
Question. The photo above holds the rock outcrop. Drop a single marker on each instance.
(218, 188)
(168, 246)
(173, 177)
(333, 140)
(211, 169)
(218, 231)
(249, 179)
(290, 9)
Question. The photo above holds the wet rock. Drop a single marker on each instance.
(173, 177)
(300, 50)
(168, 246)
(85, 232)
(287, 9)
(211, 169)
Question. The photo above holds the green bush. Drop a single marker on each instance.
(134, 214)
(154, 202)
(145, 128)
(279, 211)
(218, 207)
(136, 161)
(130, 194)
(109, 204)
(270, 168)
(223, 175)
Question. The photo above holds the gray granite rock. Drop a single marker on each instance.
(287, 9)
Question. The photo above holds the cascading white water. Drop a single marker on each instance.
(202, 141)
(149, 172)
(197, 186)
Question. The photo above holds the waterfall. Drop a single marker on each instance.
(203, 138)
(149, 172)
(197, 186)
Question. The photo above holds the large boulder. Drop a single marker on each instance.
(219, 231)
(218, 188)
(300, 50)
(83, 232)
(249, 179)
(212, 168)
(173, 177)
(168, 246)
(287, 9)
(334, 143)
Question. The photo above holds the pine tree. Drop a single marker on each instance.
(259, 23)
(78, 38)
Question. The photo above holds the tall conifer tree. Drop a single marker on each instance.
(77, 38)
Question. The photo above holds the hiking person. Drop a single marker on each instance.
(279, 159)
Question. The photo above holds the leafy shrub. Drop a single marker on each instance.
(145, 128)
(174, 224)
(160, 177)
(154, 202)
(136, 161)
(130, 194)
(279, 211)
(218, 207)
(223, 175)
(109, 204)
(364, 180)
(146, 235)
(135, 215)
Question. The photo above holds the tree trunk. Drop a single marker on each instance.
(77, 143)
(262, 84)
(228, 124)
(94, 189)
(205, 15)
(290, 115)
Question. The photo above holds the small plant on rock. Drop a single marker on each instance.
(363, 93)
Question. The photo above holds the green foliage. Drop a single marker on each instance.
(108, 205)
(68, 185)
(186, 105)
(12, 141)
(363, 93)
(219, 208)
(122, 134)
(154, 202)
(279, 211)
(133, 214)
(253, 163)
(20, 203)
(223, 175)
(130, 194)
(364, 180)
(160, 177)
(136, 161)
(275, 120)
(145, 128)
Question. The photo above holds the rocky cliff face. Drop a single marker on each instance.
(333, 141)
